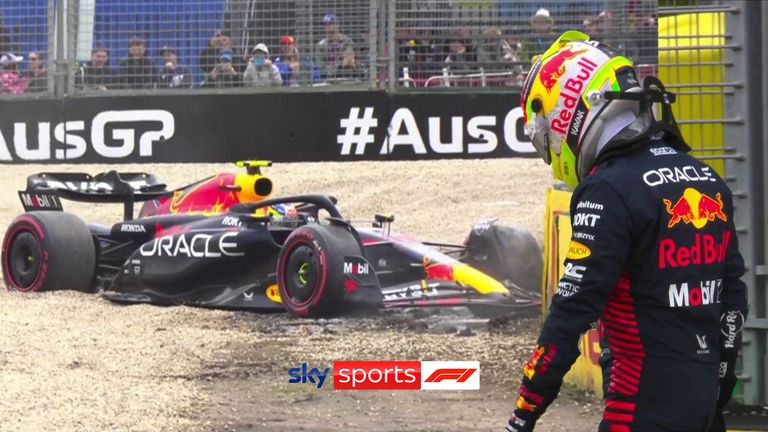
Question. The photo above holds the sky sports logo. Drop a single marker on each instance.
(393, 375)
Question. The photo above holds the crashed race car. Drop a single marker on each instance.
(224, 242)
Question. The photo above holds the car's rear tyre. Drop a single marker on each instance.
(48, 251)
(310, 269)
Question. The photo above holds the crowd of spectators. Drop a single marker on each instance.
(425, 51)
(503, 55)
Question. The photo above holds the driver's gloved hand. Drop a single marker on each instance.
(727, 383)
(521, 421)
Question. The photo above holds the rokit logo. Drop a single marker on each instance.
(473, 136)
(113, 135)
(585, 219)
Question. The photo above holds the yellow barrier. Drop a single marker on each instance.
(586, 372)
(693, 66)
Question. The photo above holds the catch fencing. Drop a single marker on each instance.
(90, 46)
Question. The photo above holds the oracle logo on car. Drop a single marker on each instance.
(406, 375)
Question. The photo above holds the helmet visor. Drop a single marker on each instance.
(537, 130)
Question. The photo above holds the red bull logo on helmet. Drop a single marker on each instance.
(695, 208)
(554, 68)
(570, 94)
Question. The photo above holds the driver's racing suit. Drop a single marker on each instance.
(654, 259)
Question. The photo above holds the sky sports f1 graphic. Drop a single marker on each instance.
(391, 375)
(476, 135)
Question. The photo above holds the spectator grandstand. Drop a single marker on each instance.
(434, 43)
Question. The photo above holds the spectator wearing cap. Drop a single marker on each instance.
(261, 72)
(218, 43)
(96, 74)
(172, 74)
(11, 81)
(335, 53)
(137, 70)
(36, 73)
(223, 74)
(543, 35)
(294, 69)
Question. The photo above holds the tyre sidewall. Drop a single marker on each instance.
(26, 223)
(303, 237)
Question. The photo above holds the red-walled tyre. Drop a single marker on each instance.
(47, 251)
(310, 269)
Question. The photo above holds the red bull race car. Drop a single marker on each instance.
(224, 242)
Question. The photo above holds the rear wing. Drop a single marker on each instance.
(46, 190)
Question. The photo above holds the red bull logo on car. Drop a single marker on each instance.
(695, 208)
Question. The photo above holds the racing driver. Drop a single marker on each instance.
(653, 258)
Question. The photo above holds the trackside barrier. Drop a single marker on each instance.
(586, 372)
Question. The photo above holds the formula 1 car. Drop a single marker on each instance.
(222, 242)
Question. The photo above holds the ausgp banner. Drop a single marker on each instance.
(289, 127)
(436, 126)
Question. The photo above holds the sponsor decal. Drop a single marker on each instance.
(567, 289)
(705, 250)
(585, 219)
(303, 375)
(731, 324)
(86, 186)
(687, 173)
(578, 121)
(540, 361)
(192, 246)
(584, 236)
(553, 69)
(574, 272)
(703, 347)
(113, 135)
(482, 226)
(577, 251)
(133, 228)
(37, 201)
(356, 266)
(723, 370)
(415, 291)
(406, 375)
(248, 296)
(706, 294)
(528, 400)
(695, 208)
(570, 94)
(589, 205)
(663, 151)
(136, 266)
(232, 221)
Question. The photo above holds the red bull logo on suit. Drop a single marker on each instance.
(695, 208)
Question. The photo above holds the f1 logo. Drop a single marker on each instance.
(458, 375)
(450, 375)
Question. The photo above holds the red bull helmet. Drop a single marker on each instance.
(581, 99)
